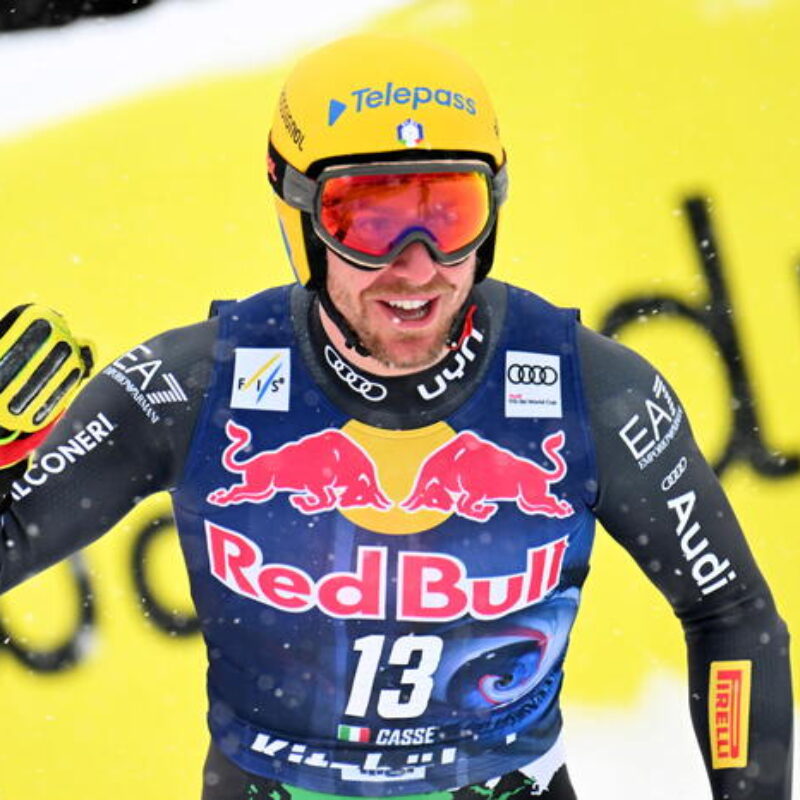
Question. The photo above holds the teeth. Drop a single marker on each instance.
(408, 305)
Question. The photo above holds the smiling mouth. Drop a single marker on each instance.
(409, 310)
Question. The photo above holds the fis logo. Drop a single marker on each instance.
(415, 97)
(261, 379)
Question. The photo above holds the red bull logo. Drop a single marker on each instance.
(431, 587)
(468, 476)
(322, 471)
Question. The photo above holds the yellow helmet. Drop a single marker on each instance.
(374, 97)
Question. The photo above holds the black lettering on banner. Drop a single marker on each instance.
(171, 621)
(74, 648)
(715, 316)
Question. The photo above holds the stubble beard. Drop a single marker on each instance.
(395, 353)
(389, 356)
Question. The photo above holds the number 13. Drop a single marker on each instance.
(420, 678)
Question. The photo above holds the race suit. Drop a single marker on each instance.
(387, 570)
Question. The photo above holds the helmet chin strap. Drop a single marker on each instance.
(351, 339)
(459, 330)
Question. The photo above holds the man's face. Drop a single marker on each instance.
(403, 312)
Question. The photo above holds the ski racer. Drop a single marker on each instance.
(386, 476)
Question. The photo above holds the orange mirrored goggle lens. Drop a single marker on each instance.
(370, 214)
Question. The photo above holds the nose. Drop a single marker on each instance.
(415, 264)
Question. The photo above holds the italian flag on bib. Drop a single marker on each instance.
(349, 733)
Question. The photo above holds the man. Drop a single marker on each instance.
(386, 477)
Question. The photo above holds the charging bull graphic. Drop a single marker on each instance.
(326, 470)
(470, 475)
(322, 471)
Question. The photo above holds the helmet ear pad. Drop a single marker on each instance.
(486, 254)
(294, 240)
(315, 252)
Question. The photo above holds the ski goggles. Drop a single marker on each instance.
(369, 213)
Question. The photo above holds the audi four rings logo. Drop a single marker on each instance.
(532, 375)
(369, 390)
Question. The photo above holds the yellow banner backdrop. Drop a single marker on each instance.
(640, 136)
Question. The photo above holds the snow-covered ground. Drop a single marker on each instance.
(61, 71)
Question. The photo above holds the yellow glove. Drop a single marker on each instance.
(41, 365)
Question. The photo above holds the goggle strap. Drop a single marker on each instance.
(288, 183)
(299, 191)
(500, 186)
